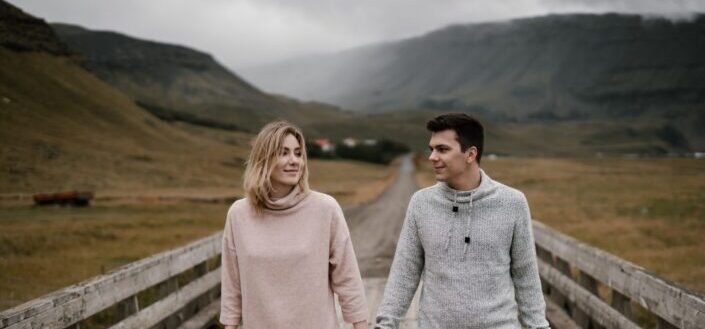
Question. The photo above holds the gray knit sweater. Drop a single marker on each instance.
(478, 265)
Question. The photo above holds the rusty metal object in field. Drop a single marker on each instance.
(68, 198)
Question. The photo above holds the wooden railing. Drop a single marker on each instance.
(599, 290)
(175, 289)
(180, 289)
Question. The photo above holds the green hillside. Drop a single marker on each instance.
(63, 128)
(178, 83)
(641, 72)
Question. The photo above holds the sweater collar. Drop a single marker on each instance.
(458, 196)
(286, 202)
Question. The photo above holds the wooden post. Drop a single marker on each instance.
(580, 317)
(165, 289)
(663, 324)
(127, 307)
(168, 286)
(556, 295)
(622, 304)
(564, 267)
(546, 256)
(201, 269)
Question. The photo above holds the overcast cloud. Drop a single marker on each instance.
(244, 33)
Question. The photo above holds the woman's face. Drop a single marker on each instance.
(289, 165)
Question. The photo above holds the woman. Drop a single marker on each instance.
(287, 249)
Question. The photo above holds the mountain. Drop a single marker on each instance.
(63, 128)
(23, 33)
(558, 68)
(179, 83)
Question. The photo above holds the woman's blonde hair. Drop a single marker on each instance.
(263, 157)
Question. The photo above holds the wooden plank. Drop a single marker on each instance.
(666, 299)
(622, 304)
(67, 306)
(127, 307)
(589, 303)
(557, 317)
(589, 283)
(161, 309)
(203, 317)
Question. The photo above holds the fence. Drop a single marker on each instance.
(180, 289)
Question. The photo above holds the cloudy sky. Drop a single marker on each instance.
(246, 33)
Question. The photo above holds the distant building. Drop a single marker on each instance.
(325, 145)
(699, 155)
(370, 142)
(350, 142)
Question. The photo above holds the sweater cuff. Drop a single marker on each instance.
(355, 317)
(230, 320)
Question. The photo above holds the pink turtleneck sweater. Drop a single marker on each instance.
(280, 269)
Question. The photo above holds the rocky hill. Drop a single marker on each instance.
(22, 32)
(555, 68)
(176, 82)
(62, 128)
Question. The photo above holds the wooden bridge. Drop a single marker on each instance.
(585, 288)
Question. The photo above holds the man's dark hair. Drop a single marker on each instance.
(468, 129)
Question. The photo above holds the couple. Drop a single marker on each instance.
(287, 249)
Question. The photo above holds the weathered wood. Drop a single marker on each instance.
(666, 299)
(201, 268)
(589, 283)
(67, 306)
(167, 287)
(127, 307)
(589, 303)
(663, 324)
(158, 311)
(622, 304)
(557, 317)
(204, 317)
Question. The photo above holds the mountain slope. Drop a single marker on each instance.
(543, 69)
(63, 128)
(174, 81)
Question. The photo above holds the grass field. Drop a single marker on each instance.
(43, 249)
(649, 211)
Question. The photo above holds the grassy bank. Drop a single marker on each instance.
(648, 211)
(43, 249)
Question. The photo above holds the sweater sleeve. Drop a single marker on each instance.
(344, 272)
(230, 294)
(524, 271)
(404, 275)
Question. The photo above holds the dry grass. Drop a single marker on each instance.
(648, 211)
(350, 182)
(43, 249)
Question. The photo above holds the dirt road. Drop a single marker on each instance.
(375, 226)
(375, 230)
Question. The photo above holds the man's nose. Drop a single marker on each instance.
(433, 156)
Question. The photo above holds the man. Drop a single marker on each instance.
(469, 238)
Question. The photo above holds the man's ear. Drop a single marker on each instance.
(471, 154)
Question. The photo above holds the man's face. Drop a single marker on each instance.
(446, 157)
